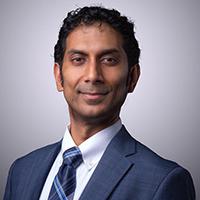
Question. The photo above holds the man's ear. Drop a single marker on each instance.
(133, 76)
(58, 77)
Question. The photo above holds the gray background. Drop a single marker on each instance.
(163, 112)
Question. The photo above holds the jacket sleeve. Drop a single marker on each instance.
(176, 185)
(8, 191)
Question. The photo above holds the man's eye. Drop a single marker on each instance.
(78, 60)
(110, 61)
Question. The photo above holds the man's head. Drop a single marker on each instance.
(96, 63)
(91, 15)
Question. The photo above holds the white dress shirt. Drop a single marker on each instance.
(92, 150)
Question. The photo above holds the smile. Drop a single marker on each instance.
(93, 97)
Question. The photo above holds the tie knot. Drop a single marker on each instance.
(72, 157)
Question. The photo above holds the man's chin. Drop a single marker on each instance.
(94, 115)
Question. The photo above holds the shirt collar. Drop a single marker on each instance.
(93, 148)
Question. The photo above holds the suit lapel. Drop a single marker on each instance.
(40, 172)
(111, 168)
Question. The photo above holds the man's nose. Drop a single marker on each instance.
(93, 72)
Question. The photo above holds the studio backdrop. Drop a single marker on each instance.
(163, 112)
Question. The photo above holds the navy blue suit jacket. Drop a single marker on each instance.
(127, 171)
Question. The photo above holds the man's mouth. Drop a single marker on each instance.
(93, 94)
(93, 98)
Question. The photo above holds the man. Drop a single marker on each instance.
(96, 66)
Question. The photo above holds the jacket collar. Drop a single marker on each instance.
(113, 165)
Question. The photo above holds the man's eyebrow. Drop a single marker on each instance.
(101, 53)
(109, 51)
(75, 51)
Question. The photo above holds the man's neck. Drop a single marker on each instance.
(82, 130)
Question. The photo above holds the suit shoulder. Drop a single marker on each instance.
(154, 163)
(42, 150)
(37, 155)
(151, 166)
(145, 154)
(139, 154)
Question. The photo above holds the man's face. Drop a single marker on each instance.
(95, 73)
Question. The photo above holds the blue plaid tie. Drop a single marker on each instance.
(64, 183)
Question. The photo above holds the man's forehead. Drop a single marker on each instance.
(99, 35)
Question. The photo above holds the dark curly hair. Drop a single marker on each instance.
(90, 15)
